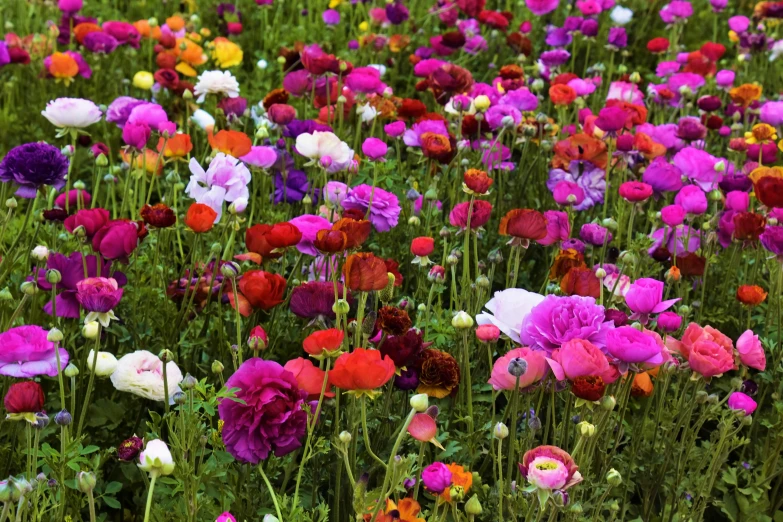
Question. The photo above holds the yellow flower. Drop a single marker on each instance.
(733, 37)
(334, 3)
(143, 80)
(364, 27)
(226, 53)
(761, 133)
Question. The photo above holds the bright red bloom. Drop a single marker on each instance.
(257, 239)
(477, 181)
(320, 340)
(769, 190)
(258, 289)
(523, 223)
(562, 94)
(748, 226)
(422, 246)
(200, 218)
(751, 295)
(283, 235)
(361, 370)
(479, 214)
(309, 378)
(25, 397)
(658, 45)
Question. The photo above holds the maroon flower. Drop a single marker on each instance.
(314, 300)
(129, 449)
(24, 397)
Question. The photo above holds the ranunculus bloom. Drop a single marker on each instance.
(709, 358)
(579, 358)
(314, 300)
(558, 227)
(537, 368)
(320, 340)
(24, 397)
(741, 402)
(27, 353)
(117, 239)
(98, 294)
(230, 142)
(669, 321)
(141, 373)
(635, 191)
(438, 373)
(270, 419)
(751, 295)
(508, 309)
(364, 272)
(523, 225)
(645, 297)
(751, 352)
(549, 468)
(478, 217)
(89, 219)
(309, 377)
(33, 165)
(361, 370)
(436, 477)
(556, 320)
(632, 346)
(158, 215)
(200, 218)
(477, 181)
(384, 206)
(403, 349)
(257, 289)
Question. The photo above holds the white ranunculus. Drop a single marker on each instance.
(621, 15)
(508, 310)
(156, 458)
(216, 82)
(321, 144)
(105, 365)
(366, 112)
(203, 119)
(141, 373)
(73, 113)
(378, 67)
(40, 253)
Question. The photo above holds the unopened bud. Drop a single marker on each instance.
(217, 367)
(420, 402)
(86, 481)
(462, 320)
(345, 437)
(473, 506)
(501, 431)
(54, 336)
(614, 478)
(608, 402)
(517, 367)
(90, 330)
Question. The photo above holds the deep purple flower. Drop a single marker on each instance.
(691, 129)
(594, 234)
(573, 244)
(618, 38)
(407, 379)
(290, 188)
(100, 42)
(555, 57)
(270, 418)
(557, 319)
(590, 179)
(314, 300)
(32, 166)
(385, 211)
(396, 12)
(403, 349)
(772, 239)
(233, 108)
(589, 28)
(27, 353)
(559, 37)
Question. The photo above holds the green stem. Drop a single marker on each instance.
(153, 478)
(366, 433)
(271, 493)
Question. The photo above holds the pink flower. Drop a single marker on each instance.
(98, 294)
(557, 227)
(694, 333)
(537, 368)
(542, 7)
(549, 467)
(692, 199)
(309, 225)
(27, 353)
(708, 358)
(632, 346)
(136, 134)
(424, 429)
(644, 297)
(226, 517)
(507, 310)
(117, 240)
(436, 477)
(579, 358)
(751, 352)
(374, 149)
(739, 401)
(568, 193)
(458, 217)
(635, 191)
(90, 220)
(260, 156)
(673, 215)
(486, 333)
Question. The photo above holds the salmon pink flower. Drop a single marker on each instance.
(536, 369)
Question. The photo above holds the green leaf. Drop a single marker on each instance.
(89, 449)
(111, 502)
(112, 487)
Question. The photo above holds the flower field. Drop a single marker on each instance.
(391, 261)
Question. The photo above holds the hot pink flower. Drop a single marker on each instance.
(632, 346)
(537, 368)
(117, 239)
(751, 353)
(739, 401)
(644, 297)
(557, 227)
(98, 294)
(27, 353)
(90, 219)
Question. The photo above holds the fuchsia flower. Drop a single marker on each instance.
(27, 353)
(226, 517)
(558, 319)
(537, 368)
(98, 294)
(635, 191)
(374, 149)
(751, 352)
(117, 239)
(436, 477)
(739, 401)
(645, 297)
(549, 468)
(557, 227)
(631, 346)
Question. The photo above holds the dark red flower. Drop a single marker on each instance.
(590, 388)
(167, 78)
(24, 397)
(748, 226)
(129, 449)
(393, 320)
(158, 215)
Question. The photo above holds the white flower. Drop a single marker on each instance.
(141, 373)
(72, 113)
(226, 179)
(262, 64)
(321, 144)
(216, 82)
(156, 458)
(509, 309)
(40, 253)
(776, 50)
(621, 15)
(203, 119)
(105, 365)
(367, 112)
(378, 67)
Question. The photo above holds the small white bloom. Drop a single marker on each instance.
(776, 50)
(262, 64)
(156, 458)
(378, 67)
(216, 82)
(40, 253)
(104, 365)
(366, 112)
(203, 119)
(72, 113)
(141, 373)
(321, 144)
(621, 15)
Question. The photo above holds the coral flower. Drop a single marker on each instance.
(561, 94)
(536, 369)
(356, 231)
(362, 371)
(178, 146)
(751, 352)
(231, 142)
(63, 67)
(751, 295)
(476, 182)
(549, 468)
(364, 272)
(321, 341)
(200, 218)
(309, 378)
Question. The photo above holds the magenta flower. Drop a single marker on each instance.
(150, 114)
(136, 135)
(567, 193)
(394, 129)
(558, 319)
(692, 199)
(669, 322)
(27, 353)
(645, 297)
(366, 80)
(751, 352)
(309, 225)
(385, 210)
(374, 149)
(331, 17)
(99, 296)
(117, 239)
(260, 156)
(631, 346)
(683, 239)
(436, 477)
(541, 7)
(594, 234)
(549, 468)
(557, 227)
(673, 215)
(676, 11)
(270, 419)
(662, 176)
(739, 401)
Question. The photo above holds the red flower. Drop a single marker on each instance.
(364, 273)
(477, 181)
(258, 289)
(231, 142)
(713, 51)
(393, 267)
(422, 246)
(581, 281)
(523, 223)
(330, 241)
(158, 215)
(411, 109)
(437, 147)
(320, 340)
(751, 295)
(748, 226)
(658, 45)
(479, 216)
(361, 370)
(167, 78)
(494, 19)
(768, 189)
(257, 241)
(200, 218)
(590, 388)
(562, 94)
(90, 219)
(309, 378)
(356, 230)
(393, 320)
(26, 397)
(283, 235)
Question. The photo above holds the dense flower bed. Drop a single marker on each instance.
(452, 260)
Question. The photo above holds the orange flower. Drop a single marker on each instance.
(330, 241)
(146, 30)
(85, 28)
(146, 161)
(436, 146)
(63, 66)
(364, 272)
(231, 142)
(642, 385)
(257, 289)
(562, 94)
(175, 23)
(476, 181)
(581, 281)
(580, 147)
(356, 231)
(200, 218)
(650, 149)
(178, 146)
(565, 260)
(459, 477)
(745, 94)
(751, 295)
(762, 172)
(193, 54)
(362, 371)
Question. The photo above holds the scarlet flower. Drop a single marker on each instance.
(258, 289)
(330, 241)
(231, 142)
(658, 45)
(580, 147)
(361, 371)
(589, 388)
(713, 51)
(364, 272)
(411, 109)
(751, 295)
(479, 214)
(200, 218)
(422, 246)
(562, 94)
(748, 226)
(356, 230)
(393, 320)
(178, 146)
(493, 19)
(319, 341)
(523, 224)
(24, 397)
(519, 43)
(512, 72)
(477, 181)
(581, 281)
(257, 239)
(283, 235)
(158, 215)
(309, 378)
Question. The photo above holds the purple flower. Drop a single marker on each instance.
(692, 199)
(590, 179)
(718, 5)
(436, 477)
(120, 109)
(594, 234)
(559, 319)
(682, 235)
(314, 300)
(32, 166)
(631, 346)
(298, 83)
(233, 108)
(270, 417)
(559, 37)
(385, 211)
(739, 24)
(555, 58)
(412, 136)
(699, 166)
(772, 239)
(290, 188)
(98, 294)
(100, 42)
(521, 99)
(27, 353)
(676, 11)
(331, 17)
(618, 38)
(724, 78)
(573, 244)
(645, 297)
(374, 149)
(589, 28)
(71, 269)
(542, 7)
(662, 176)
(739, 401)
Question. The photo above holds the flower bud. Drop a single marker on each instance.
(341, 307)
(482, 281)
(71, 370)
(28, 288)
(368, 325)
(473, 506)
(188, 383)
(53, 276)
(600, 273)
(614, 478)
(63, 418)
(560, 498)
(166, 355)
(217, 366)
(179, 398)
(345, 437)
(420, 402)
(90, 330)
(501, 431)
(86, 481)
(457, 493)
(586, 429)
(609, 223)
(40, 253)
(608, 402)
(414, 221)
(230, 269)
(54, 336)
(452, 260)
(482, 102)
(11, 203)
(517, 366)
(462, 320)
(101, 160)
